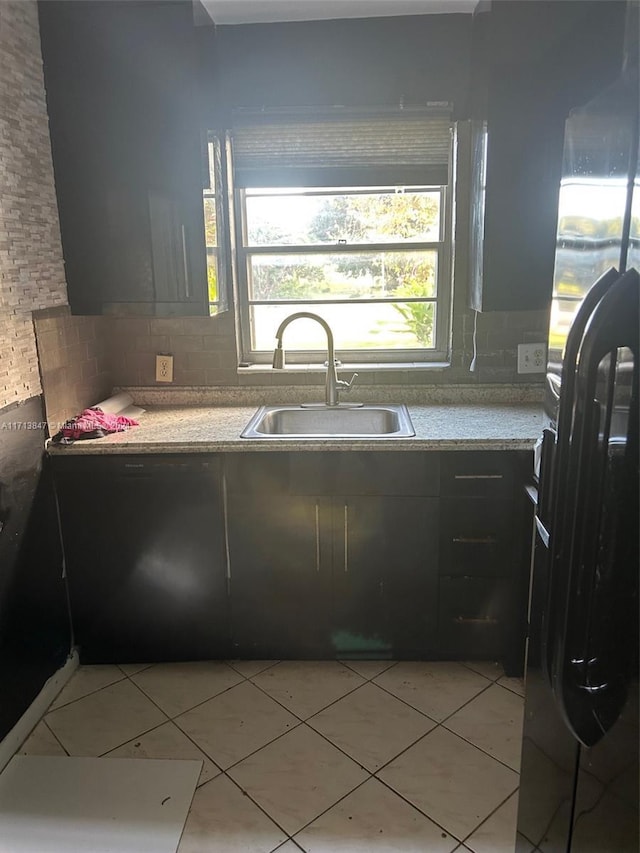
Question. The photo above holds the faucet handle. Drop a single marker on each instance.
(346, 386)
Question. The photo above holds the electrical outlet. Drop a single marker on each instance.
(164, 368)
(532, 358)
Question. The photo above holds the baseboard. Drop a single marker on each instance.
(36, 710)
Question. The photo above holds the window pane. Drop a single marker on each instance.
(381, 325)
(212, 274)
(210, 225)
(300, 218)
(365, 275)
(211, 230)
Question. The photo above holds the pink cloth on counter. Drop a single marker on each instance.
(93, 423)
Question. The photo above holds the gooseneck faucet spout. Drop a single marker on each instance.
(333, 384)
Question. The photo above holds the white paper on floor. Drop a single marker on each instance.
(56, 804)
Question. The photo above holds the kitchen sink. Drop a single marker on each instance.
(317, 421)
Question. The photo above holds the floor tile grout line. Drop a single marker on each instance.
(324, 708)
(333, 805)
(404, 701)
(159, 726)
(492, 814)
(264, 746)
(246, 793)
(469, 667)
(51, 710)
(481, 749)
(462, 737)
(395, 758)
(53, 734)
(249, 677)
(464, 704)
(418, 809)
(386, 669)
(142, 669)
(431, 731)
(510, 689)
(193, 707)
(146, 731)
(424, 714)
(142, 734)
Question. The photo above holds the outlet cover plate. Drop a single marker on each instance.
(164, 368)
(532, 358)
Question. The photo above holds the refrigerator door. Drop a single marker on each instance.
(595, 647)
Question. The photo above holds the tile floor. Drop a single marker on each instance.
(324, 757)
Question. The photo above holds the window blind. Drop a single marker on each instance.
(310, 150)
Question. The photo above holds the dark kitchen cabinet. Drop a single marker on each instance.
(279, 551)
(121, 84)
(144, 552)
(531, 64)
(404, 555)
(316, 573)
(385, 580)
(483, 563)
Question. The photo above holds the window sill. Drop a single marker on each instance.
(266, 369)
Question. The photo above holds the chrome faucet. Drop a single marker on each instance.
(333, 384)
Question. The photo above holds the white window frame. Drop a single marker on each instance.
(441, 351)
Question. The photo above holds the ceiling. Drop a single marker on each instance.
(269, 11)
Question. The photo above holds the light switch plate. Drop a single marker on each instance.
(164, 368)
(532, 358)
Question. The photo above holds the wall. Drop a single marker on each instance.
(34, 622)
(31, 265)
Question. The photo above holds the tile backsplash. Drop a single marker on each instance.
(204, 352)
(74, 358)
(83, 358)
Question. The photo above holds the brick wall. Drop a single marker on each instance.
(31, 265)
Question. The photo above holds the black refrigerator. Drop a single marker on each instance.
(579, 775)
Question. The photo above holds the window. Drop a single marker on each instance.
(214, 219)
(349, 218)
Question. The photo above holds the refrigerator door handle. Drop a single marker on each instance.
(594, 644)
(557, 488)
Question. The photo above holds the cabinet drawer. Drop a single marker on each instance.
(389, 473)
(488, 474)
(476, 537)
(472, 616)
(334, 473)
(276, 473)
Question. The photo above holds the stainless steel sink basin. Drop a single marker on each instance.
(272, 422)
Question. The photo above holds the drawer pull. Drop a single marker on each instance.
(475, 620)
(317, 538)
(346, 538)
(475, 540)
(478, 477)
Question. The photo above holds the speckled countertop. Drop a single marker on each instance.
(182, 429)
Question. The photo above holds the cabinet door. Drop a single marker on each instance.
(384, 576)
(144, 550)
(279, 554)
(122, 127)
